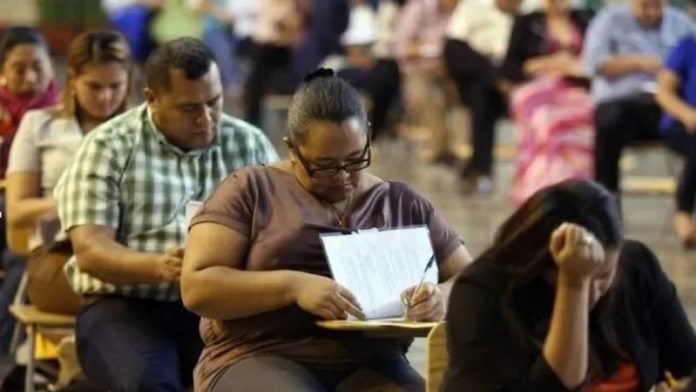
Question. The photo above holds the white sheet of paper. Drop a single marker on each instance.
(192, 208)
(377, 266)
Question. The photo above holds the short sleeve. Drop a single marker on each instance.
(413, 209)
(679, 58)
(231, 204)
(88, 192)
(24, 153)
(445, 240)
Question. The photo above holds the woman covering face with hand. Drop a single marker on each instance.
(255, 270)
(561, 302)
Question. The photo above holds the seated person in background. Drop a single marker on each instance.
(384, 82)
(217, 21)
(418, 43)
(132, 18)
(256, 272)
(96, 89)
(122, 201)
(623, 49)
(550, 104)
(561, 302)
(26, 76)
(327, 21)
(368, 63)
(676, 94)
(27, 82)
(477, 38)
(279, 28)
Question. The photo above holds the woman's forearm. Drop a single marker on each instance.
(566, 345)
(223, 293)
(537, 65)
(25, 212)
(673, 104)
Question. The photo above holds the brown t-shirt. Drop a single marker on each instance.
(283, 223)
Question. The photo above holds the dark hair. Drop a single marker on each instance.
(187, 54)
(323, 97)
(521, 248)
(93, 48)
(20, 35)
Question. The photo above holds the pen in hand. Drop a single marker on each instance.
(408, 302)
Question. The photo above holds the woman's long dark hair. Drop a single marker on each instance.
(521, 247)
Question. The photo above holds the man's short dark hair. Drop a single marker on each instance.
(187, 54)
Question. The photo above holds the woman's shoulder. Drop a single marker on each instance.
(639, 264)
(484, 273)
(255, 172)
(41, 122)
(476, 300)
(256, 178)
(35, 117)
(401, 190)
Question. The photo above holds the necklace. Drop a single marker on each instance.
(341, 216)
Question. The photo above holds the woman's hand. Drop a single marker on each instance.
(576, 252)
(665, 386)
(325, 298)
(426, 304)
(689, 121)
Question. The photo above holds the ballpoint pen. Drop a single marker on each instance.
(409, 301)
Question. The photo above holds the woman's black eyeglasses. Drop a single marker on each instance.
(317, 171)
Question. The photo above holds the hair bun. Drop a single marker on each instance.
(319, 73)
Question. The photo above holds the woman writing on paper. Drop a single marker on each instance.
(255, 269)
(562, 302)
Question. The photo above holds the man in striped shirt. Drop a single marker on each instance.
(122, 201)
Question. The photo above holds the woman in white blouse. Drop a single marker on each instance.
(96, 86)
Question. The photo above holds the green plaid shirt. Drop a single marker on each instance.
(126, 175)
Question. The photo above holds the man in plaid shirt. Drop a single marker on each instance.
(123, 200)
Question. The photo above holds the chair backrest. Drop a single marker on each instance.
(18, 239)
(436, 357)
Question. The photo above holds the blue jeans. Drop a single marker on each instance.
(129, 344)
(14, 267)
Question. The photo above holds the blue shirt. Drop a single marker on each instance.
(615, 31)
(682, 61)
(211, 23)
